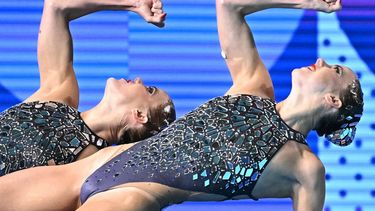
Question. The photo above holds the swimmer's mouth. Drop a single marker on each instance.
(312, 67)
(126, 81)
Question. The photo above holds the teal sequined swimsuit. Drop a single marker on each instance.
(222, 147)
(38, 134)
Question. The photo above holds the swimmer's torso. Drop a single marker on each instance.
(42, 133)
(221, 148)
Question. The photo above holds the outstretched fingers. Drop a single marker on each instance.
(153, 13)
(329, 2)
(331, 5)
(156, 11)
(157, 19)
(157, 4)
(157, 8)
(337, 5)
(158, 14)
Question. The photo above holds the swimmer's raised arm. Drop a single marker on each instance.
(249, 74)
(55, 49)
(250, 6)
(55, 59)
(150, 10)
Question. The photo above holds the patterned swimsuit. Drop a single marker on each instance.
(38, 134)
(222, 147)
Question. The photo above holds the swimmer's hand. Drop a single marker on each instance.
(327, 6)
(151, 11)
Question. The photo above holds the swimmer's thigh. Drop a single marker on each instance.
(121, 199)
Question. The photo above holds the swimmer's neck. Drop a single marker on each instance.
(104, 122)
(299, 113)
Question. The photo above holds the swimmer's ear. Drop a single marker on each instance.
(140, 116)
(333, 101)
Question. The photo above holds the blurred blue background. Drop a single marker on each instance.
(184, 59)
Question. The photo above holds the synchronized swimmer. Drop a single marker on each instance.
(47, 128)
(239, 145)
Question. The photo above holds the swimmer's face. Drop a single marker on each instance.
(322, 78)
(130, 94)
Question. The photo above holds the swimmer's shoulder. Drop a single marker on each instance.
(108, 153)
(310, 169)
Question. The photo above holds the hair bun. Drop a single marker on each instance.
(342, 137)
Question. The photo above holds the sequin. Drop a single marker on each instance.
(262, 163)
(243, 171)
(195, 176)
(238, 169)
(226, 175)
(249, 172)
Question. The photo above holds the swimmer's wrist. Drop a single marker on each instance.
(134, 4)
(246, 7)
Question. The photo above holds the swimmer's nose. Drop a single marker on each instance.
(138, 80)
(320, 62)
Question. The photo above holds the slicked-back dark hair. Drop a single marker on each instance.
(159, 118)
(352, 104)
